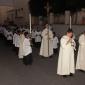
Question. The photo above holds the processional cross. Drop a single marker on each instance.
(48, 10)
(47, 7)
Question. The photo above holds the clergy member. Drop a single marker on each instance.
(46, 49)
(80, 65)
(66, 55)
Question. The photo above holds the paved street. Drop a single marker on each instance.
(41, 72)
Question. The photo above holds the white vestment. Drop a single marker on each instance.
(81, 53)
(17, 40)
(26, 47)
(38, 36)
(14, 38)
(66, 57)
(55, 42)
(21, 46)
(46, 49)
(9, 35)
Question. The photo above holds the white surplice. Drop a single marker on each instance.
(27, 47)
(38, 36)
(46, 49)
(81, 53)
(55, 42)
(66, 57)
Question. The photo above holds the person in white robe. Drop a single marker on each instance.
(33, 37)
(14, 36)
(20, 54)
(27, 50)
(80, 65)
(55, 43)
(17, 41)
(66, 55)
(46, 49)
(9, 37)
(38, 37)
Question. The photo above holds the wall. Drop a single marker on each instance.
(61, 29)
(3, 13)
(22, 4)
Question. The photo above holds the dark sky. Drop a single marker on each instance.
(58, 6)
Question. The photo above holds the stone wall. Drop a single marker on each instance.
(3, 13)
(61, 29)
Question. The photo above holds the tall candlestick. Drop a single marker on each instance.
(70, 22)
(30, 23)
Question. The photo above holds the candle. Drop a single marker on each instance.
(30, 22)
(70, 22)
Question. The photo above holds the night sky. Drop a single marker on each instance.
(57, 6)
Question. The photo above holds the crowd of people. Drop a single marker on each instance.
(20, 39)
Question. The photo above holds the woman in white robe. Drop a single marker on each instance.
(66, 55)
(80, 65)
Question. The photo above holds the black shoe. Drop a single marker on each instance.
(82, 71)
(71, 74)
(65, 76)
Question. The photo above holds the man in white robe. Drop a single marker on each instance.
(80, 65)
(46, 49)
(38, 38)
(66, 55)
(55, 43)
(14, 36)
(17, 42)
(27, 50)
(33, 37)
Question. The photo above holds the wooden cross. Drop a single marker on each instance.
(47, 7)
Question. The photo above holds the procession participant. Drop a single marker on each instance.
(66, 55)
(55, 43)
(17, 41)
(46, 49)
(37, 37)
(80, 65)
(27, 50)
